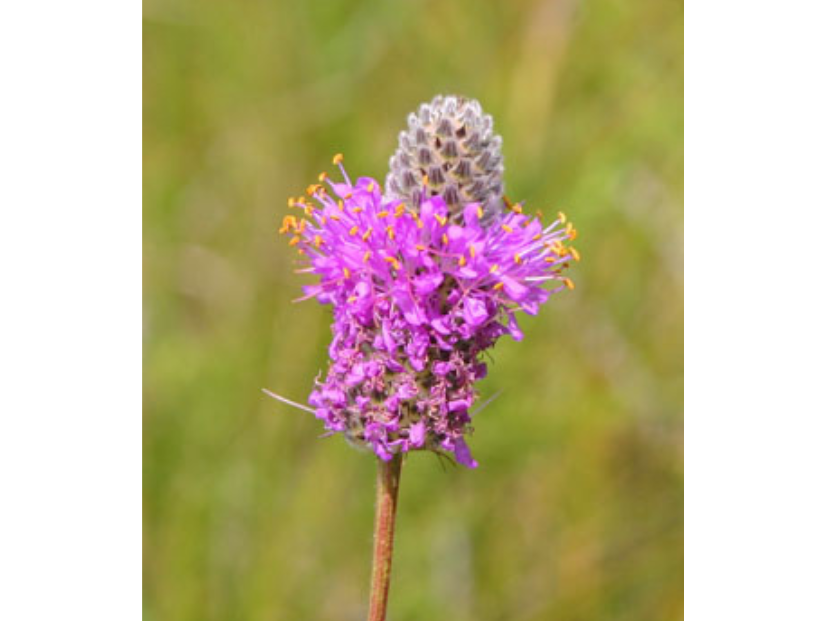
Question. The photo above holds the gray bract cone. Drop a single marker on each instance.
(450, 150)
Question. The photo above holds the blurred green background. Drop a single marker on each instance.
(576, 511)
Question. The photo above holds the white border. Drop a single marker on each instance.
(70, 319)
(756, 463)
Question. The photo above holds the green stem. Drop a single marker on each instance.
(387, 492)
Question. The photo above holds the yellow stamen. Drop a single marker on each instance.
(445, 239)
(420, 247)
(357, 209)
(400, 209)
(322, 177)
(441, 219)
(382, 214)
(346, 272)
(498, 286)
(537, 237)
(291, 202)
(353, 230)
(517, 208)
(569, 283)
(335, 216)
(562, 217)
(338, 159)
(294, 241)
(287, 223)
(317, 241)
(507, 228)
(419, 223)
(472, 251)
(550, 259)
(366, 236)
(462, 260)
(425, 179)
(393, 261)
(371, 186)
(575, 255)
(367, 256)
(494, 269)
(302, 225)
(391, 233)
(517, 258)
(479, 212)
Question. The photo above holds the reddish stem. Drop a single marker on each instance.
(387, 492)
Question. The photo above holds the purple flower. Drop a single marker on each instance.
(418, 294)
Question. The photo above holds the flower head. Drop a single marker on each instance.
(417, 297)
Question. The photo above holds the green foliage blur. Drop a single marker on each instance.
(576, 510)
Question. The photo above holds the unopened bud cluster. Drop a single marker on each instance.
(449, 150)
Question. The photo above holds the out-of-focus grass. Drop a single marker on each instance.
(576, 510)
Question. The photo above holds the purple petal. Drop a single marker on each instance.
(514, 328)
(463, 454)
(514, 289)
(417, 434)
(427, 283)
(474, 311)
